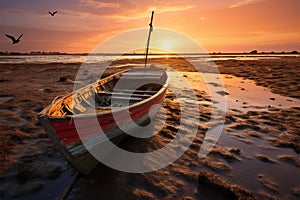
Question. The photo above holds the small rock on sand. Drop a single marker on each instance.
(63, 78)
(223, 93)
(235, 150)
(47, 90)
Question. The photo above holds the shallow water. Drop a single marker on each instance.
(245, 95)
(241, 94)
(43, 59)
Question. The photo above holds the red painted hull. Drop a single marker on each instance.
(63, 129)
(67, 133)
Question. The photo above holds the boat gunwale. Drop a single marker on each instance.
(46, 110)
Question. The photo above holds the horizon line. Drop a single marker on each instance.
(167, 53)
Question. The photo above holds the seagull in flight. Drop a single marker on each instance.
(52, 13)
(14, 40)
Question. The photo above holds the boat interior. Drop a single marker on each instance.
(118, 90)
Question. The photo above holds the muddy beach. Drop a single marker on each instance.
(256, 157)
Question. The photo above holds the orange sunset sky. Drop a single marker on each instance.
(217, 25)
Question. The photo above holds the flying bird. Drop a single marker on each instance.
(52, 13)
(14, 40)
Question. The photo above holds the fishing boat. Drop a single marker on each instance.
(95, 115)
(110, 98)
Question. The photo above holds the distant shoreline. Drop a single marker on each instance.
(138, 54)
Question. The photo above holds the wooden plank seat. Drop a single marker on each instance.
(156, 75)
(126, 98)
(135, 91)
(79, 108)
(82, 99)
(127, 77)
(124, 94)
(146, 73)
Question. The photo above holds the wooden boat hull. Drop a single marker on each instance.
(64, 130)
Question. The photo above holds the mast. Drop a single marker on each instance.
(148, 41)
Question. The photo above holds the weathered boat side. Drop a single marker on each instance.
(63, 132)
(84, 163)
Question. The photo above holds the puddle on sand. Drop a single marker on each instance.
(240, 93)
(245, 95)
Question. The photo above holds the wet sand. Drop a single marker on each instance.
(280, 75)
(257, 156)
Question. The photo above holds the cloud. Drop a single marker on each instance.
(9, 11)
(98, 4)
(241, 3)
(18, 11)
(140, 13)
(170, 8)
(75, 14)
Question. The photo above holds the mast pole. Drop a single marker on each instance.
(148, 41)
